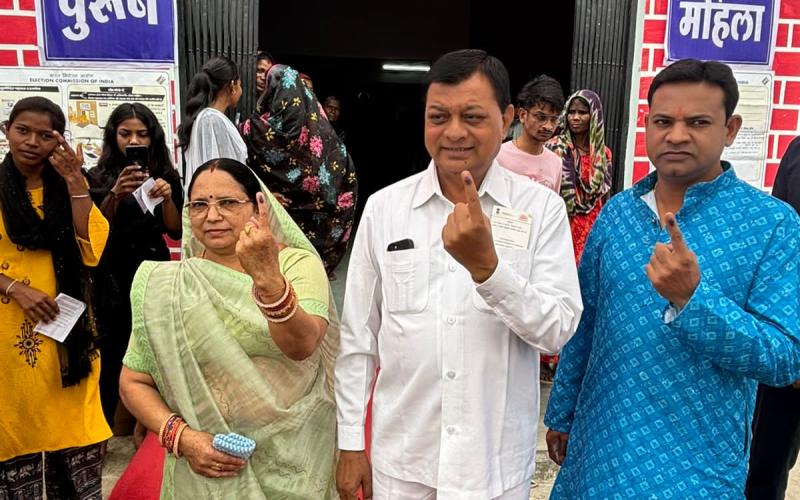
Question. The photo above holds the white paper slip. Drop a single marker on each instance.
(510, 228)
(137, 195)
(70, 311)
(142, 196)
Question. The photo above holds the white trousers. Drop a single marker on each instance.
(388, 488)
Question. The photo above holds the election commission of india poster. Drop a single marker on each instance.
(88, 97)
(748, 153)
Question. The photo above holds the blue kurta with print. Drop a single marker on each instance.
(662, 409)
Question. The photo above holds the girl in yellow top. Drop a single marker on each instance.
(49, 232)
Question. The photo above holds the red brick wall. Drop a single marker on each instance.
(18, 33)
(786, 97)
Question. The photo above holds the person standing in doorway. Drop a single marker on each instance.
(295, 151)
(333, 109)
(539, 105)
(206, 133)
(586, 175)
(264, 61)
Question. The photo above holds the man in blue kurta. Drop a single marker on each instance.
(690, 284)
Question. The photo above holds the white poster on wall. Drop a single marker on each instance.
(87, 97)
(748, 153)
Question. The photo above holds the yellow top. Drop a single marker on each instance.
(36, 413)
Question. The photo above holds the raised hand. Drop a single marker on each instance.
(467, 235)
(673, 268)
(128, 181)
(258, 250)
(67, 162)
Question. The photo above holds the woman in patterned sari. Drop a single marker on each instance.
(208, 345)
(295, 151)
(586, 175)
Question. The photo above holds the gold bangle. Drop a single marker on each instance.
(78, 196)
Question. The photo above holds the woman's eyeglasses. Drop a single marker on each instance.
(225, 207)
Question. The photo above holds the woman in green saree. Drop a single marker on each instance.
(203, 348)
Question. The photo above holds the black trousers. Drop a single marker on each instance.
(776, 440)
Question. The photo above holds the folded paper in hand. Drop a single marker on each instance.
(70, 311)
(142, 196)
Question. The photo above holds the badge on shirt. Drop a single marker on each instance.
(510, 228)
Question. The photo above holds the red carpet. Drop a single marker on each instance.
(142, 478)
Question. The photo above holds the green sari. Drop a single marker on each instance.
(198, 333)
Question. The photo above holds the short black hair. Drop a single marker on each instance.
(694, 71)
(541, 90)
(456, 67)
(263, 55)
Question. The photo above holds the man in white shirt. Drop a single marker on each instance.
(453, 307)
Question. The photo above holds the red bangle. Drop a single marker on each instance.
(170, 430)
(284, 309)
(164, 426)
(287, 317)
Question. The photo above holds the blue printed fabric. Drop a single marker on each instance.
(662, 409)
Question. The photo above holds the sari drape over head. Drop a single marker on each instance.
(200, 335)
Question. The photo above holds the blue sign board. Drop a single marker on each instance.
(108, 30)
(730, 31)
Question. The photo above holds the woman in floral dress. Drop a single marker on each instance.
(294, 150)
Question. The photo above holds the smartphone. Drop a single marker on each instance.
(137, 155)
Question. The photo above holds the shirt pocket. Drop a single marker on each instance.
(518, 259)
(406, 286)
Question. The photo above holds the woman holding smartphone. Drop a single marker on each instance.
(134, 149)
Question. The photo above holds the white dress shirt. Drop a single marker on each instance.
(456, 401)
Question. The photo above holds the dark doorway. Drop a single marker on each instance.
(343, 45)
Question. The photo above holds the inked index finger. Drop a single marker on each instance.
(471, 193)
(675, 234)
(263, 210)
